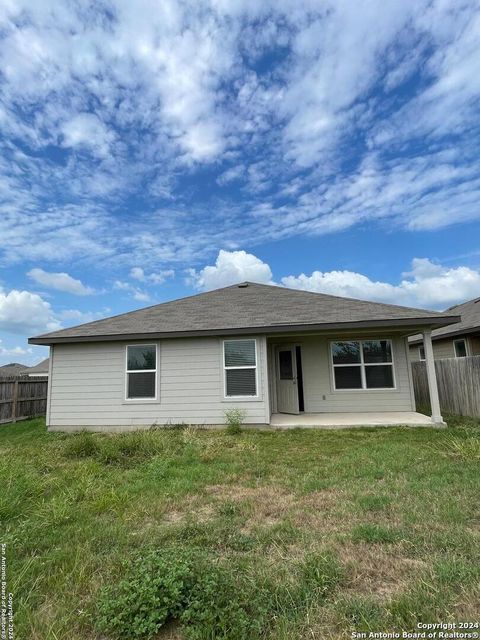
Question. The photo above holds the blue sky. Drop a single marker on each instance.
(155, 149)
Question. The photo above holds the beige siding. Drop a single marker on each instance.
(318, 388)
(441, 349)
(88, 386)
(444, 348)
(414, 353)
(474, 345)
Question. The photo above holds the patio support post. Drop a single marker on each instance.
(432, 377)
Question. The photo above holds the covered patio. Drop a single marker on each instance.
(339, 379)
(349, 420)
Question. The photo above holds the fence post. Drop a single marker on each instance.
(14, 401)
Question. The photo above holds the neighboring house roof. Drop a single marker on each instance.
(243, 308)
(13, 369)
(40, 369)
(470, 322)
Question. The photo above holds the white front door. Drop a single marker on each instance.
(287, 391)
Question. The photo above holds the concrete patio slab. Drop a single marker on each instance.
(349, 420)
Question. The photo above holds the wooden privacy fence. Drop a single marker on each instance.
(458, 382)
(22, 398)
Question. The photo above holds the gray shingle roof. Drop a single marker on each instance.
(13, 369)
(41, 367)
(470, 320)
(244, 308)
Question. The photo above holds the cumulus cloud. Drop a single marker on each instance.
(26, 313)
(231, 267)
(137, 273)
(427, 284)
(60, 282)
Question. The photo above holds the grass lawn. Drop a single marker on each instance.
(328, 531)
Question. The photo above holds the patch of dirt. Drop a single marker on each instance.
(171, 631)
(467, 607)
(237, 492)
(324, 511)
(266, 506)
(199, 514)
(378, 571)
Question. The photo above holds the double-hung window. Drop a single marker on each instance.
(421, 353)
(363, 364)
(141, 373)
(240, 368)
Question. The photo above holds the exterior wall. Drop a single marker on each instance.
(475, 345)
(87, 386)
(413, 353)
(444, 348)
(318, 389)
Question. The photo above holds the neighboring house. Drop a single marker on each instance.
(266, 349)
(13, 369)
(39, 370)
(456, 340)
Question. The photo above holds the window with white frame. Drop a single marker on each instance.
(363, 364)
(421, 353)
(141, 383)
(240, 367)
(460, 347)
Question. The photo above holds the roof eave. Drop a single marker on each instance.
(301, 328)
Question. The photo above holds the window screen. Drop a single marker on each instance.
(241, 382)
(240, 363)
(141, 371)
(240, 353)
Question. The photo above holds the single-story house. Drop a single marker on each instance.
(40, 370)
(286, 357)
(456, 340)
(13, 369)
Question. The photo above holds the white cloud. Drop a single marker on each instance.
(88, 131)
(14, 351)
(19, 354)
(136, 293)
(60, 281)
(137, 273)
(314, 144)
(231, 267)
(141, 296)
(426, 285)
(75, 316)
(123, 286)
(231, 175)
(27, 313)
